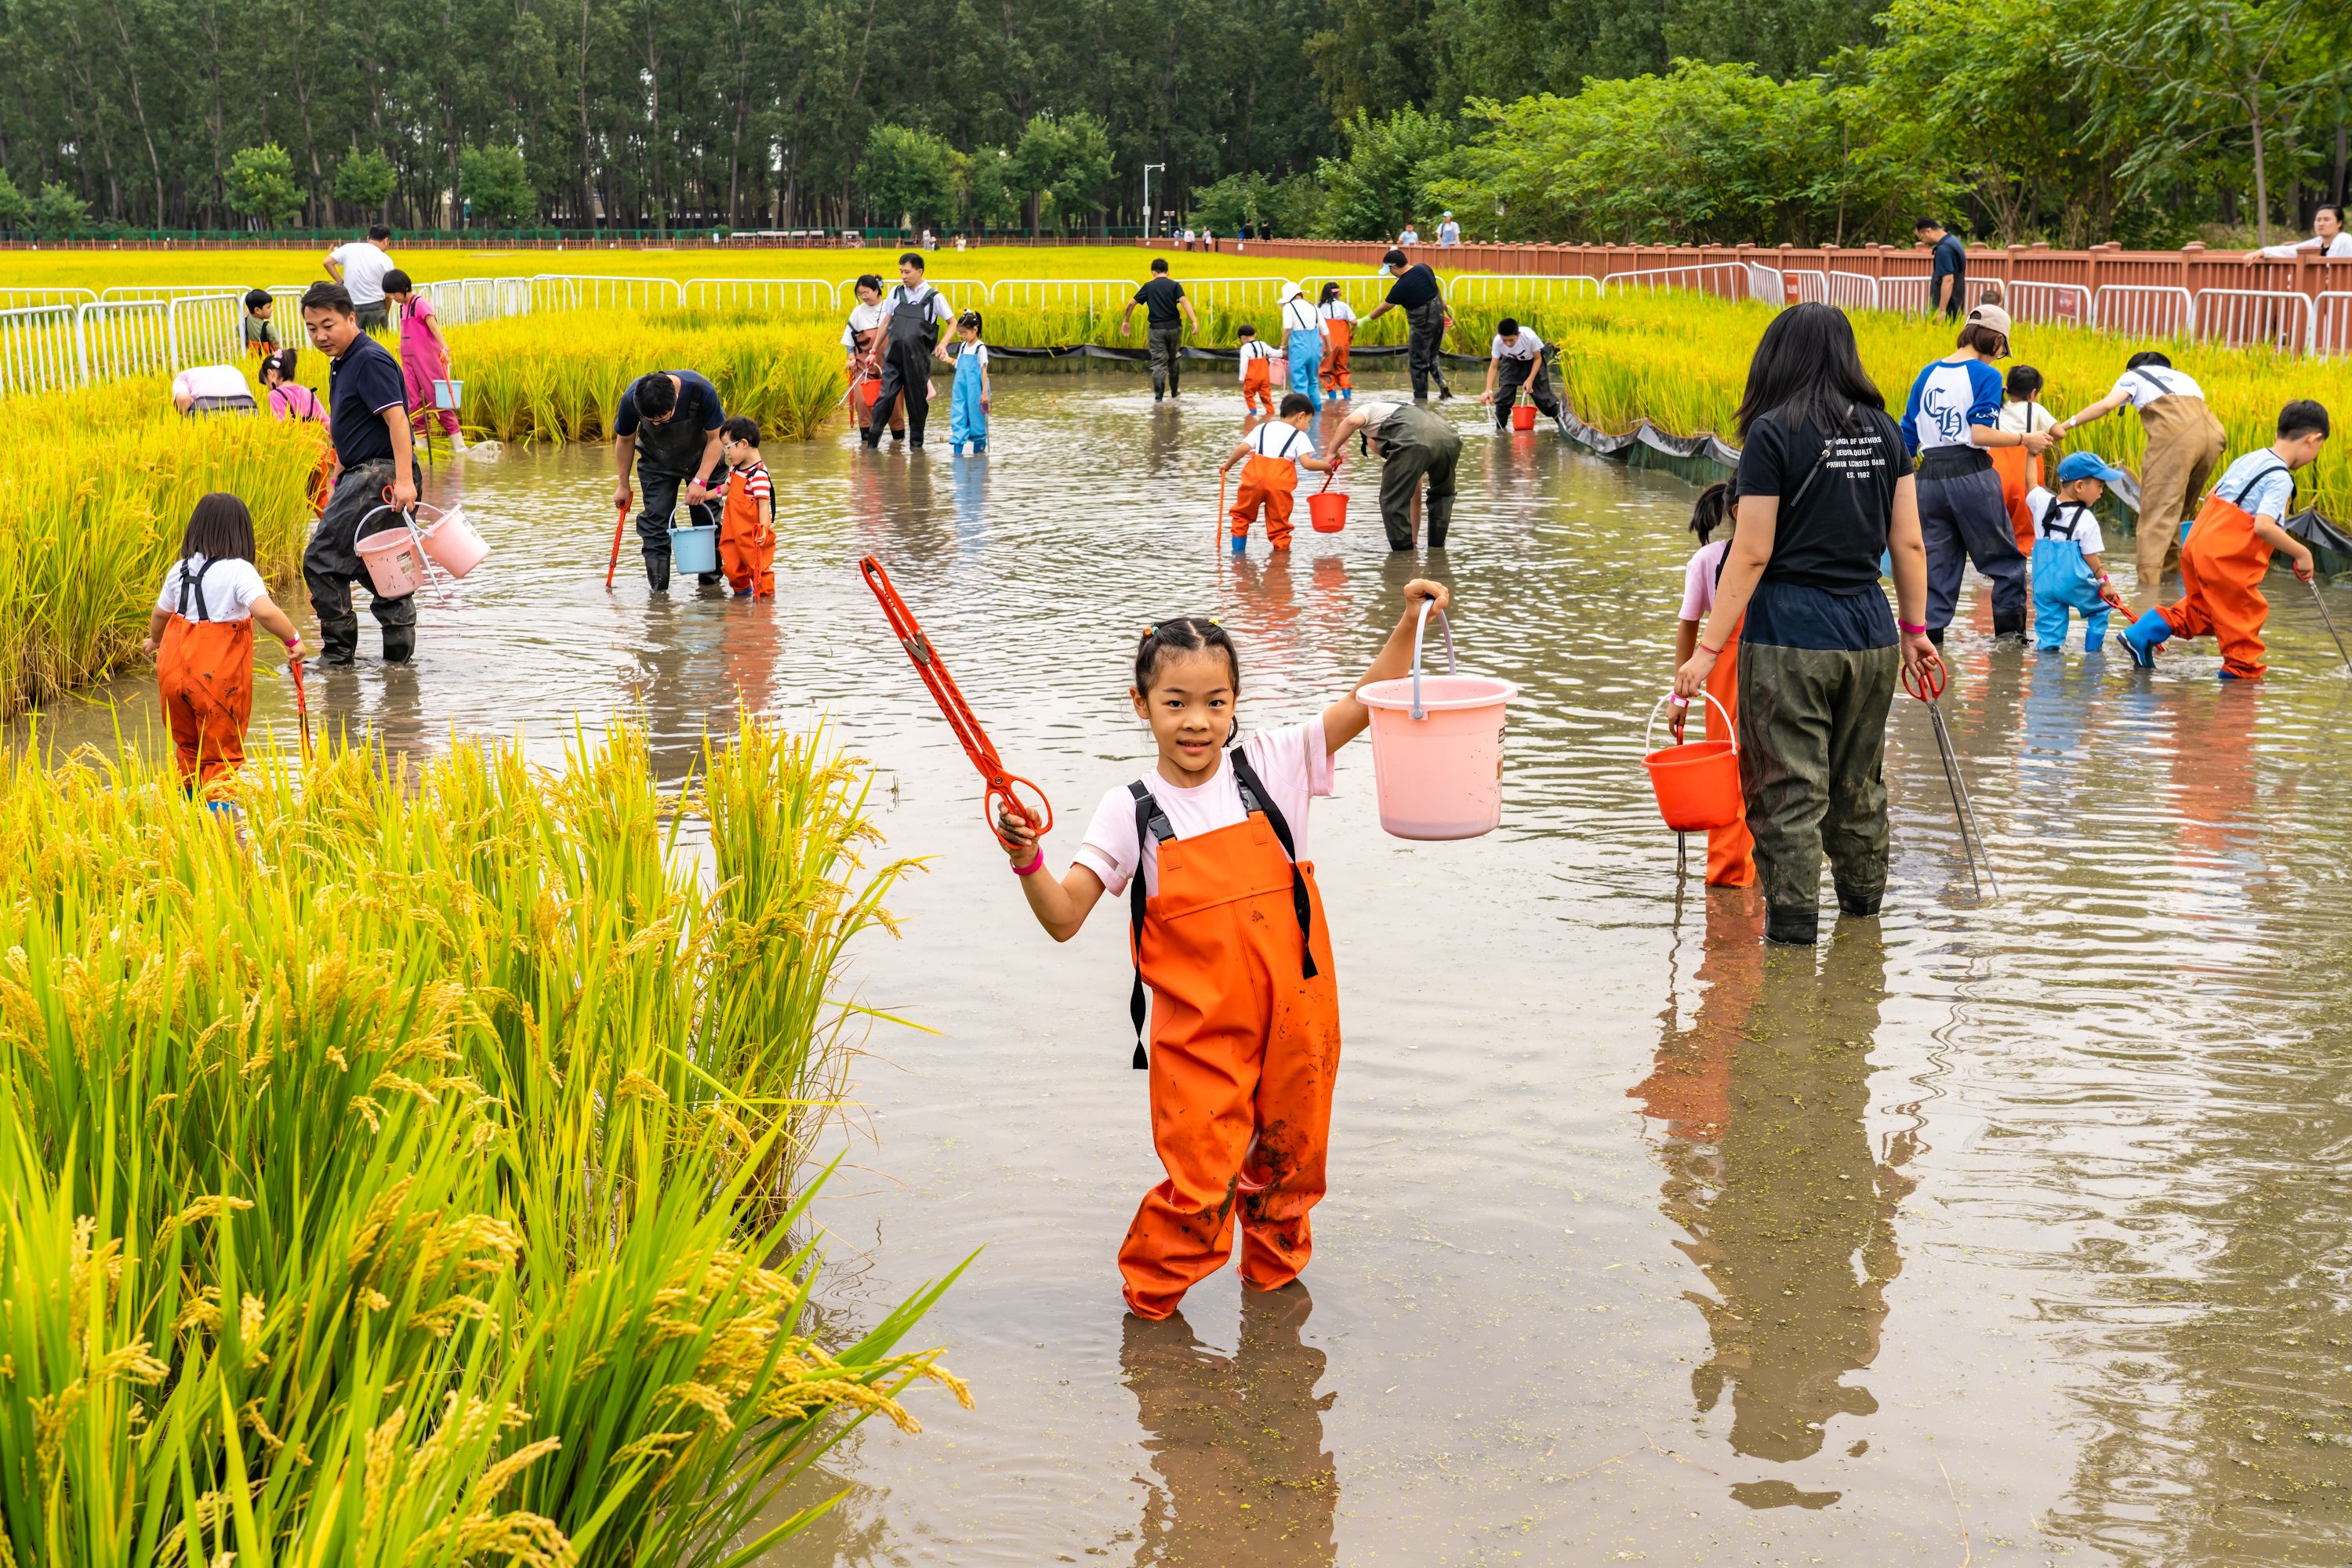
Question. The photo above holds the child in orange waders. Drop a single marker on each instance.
(1338, 336)
(1730, 851)
(1226, 926)
(746, 524)
(201, 634)
(1257, 373)
(2225, 553)
(1270, 457)
(2021, 470)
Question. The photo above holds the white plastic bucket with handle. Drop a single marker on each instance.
(1437, 746)
(394, 557)
(451, 543)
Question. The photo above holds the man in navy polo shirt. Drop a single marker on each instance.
(367, 407)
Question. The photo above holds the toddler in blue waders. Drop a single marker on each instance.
(968, 408)
(2067, 572)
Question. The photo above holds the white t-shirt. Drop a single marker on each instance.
(1254, 349)
(364, 264)
(1292, 762)
(1280, 439)
(2038, 504)
(2340, 245)
(229, 590)
(1336, 311)
(935, 304)
(2143, 387)
(1299, 316)
(975, 351)
(863, 317)
(1528, 346)
(2024, 418)
(212, 381)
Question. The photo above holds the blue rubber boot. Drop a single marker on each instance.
(2143, 637)
(1240, 542)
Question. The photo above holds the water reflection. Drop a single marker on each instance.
(1771, 1176)
(1236, 1443)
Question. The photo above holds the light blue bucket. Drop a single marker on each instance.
(694, 549)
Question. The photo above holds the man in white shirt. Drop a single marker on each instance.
(1517, 358)
(2185, 440)
(2330, 240)
(912, 312)
(1448, 231)
(360, 266)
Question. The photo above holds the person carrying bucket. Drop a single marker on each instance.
(861, 340)
(1730, 852)
(667, 423)
(1515, 359)
(1412, 441)
(968, 404)
(201, 634)
(1302, 345)
(1338, 337)
(1271, 456)
(1227, 930)
(912, 312)
(1256, 361)
(747, 522)
(424, 357)
(2229, 549)
(2068, 575)
(375, 482)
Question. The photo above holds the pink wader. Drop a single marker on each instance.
(423, 360)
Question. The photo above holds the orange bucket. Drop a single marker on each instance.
(1697, 782)
(1328, 510)
(868, 391)
(1523, 416)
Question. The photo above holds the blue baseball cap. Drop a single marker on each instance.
(2086, 466)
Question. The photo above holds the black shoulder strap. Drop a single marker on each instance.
(2154, 380)
(1255, 798)
(192, 588)
(2048, 523)
(1151, 827)
(2260, 475)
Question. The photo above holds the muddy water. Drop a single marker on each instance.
(1998, 1233)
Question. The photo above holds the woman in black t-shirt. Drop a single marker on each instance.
(1825, 489)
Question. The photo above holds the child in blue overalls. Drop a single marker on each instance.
(967, 410)
(2067, 574)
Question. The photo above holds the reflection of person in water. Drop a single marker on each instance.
(1237, 1445)
(1790, 1214)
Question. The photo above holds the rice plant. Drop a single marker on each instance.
(549, 378)
(412, 1174)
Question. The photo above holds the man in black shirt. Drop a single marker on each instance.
(1162, 299)
(368, 414)
(1949, 282)
(1416, 293)
(668, 422)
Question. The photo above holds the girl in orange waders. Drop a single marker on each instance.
(2228, 548)
(1226, 927)
(1339, 334)
(1257, 373)
(1730, 851)
(2021, 470)
(747, 522)
(201, 636)
(1270, 457)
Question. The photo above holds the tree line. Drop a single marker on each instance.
(1714, 120)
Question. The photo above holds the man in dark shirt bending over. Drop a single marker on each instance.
(668, 422)
(375, 481)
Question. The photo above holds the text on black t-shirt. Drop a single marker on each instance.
(1837, 497)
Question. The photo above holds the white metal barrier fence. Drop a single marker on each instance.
(1907, 296)
(1767, 283)
(126, 337)
(767, 296)
(1491, 289)
(2331, 323)
(2242, 318)
(35, 298)
(585, 291)
(203, 329)
(1092, 293)
(1724, 279)
(40, 349)
(2144, 310)
(1237, 293)
(2059, 304)
(461, 301)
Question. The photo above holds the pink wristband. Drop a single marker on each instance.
(1908, 630)
(1033, 866)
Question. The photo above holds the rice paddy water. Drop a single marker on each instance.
(1993, 1232)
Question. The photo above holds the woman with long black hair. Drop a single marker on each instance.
(1825, 489)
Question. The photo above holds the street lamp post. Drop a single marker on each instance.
(1147, 196)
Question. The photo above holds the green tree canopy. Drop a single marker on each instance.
(495, 182)
(261, 184)
(1063, 163)
(58, 211)
(1384, 178)
(16, 210)
(366, 179)
(910, 171)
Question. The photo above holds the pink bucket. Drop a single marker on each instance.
(452, 544)
(1437, 747)
(394, 562)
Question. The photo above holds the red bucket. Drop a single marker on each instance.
(868, 391)
(1523, 416)
(1328, 510)
(1697, 782)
